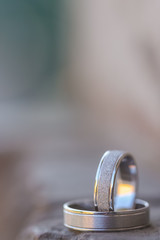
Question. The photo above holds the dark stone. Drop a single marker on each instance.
(51, 227)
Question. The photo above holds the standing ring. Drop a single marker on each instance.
(116, 182)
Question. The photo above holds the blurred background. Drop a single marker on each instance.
(76, 78)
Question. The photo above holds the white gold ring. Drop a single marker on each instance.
(80, 215)
(116, 182)
(115, 207)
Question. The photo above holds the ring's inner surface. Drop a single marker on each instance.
(89, 206)
(125, 185)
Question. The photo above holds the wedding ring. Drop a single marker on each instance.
(116, 182)
(80, 215)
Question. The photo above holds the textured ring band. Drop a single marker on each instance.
(116, 182)
(80, 215)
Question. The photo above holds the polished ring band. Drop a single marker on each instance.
(116, 182)
(80, 215)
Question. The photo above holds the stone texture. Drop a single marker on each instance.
(50, 227)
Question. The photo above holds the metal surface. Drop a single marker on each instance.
(80, 215)
(116, 182)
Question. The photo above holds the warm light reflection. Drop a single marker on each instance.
(124, 188)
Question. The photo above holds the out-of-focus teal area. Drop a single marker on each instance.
(33, 37)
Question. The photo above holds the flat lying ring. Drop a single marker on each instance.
(80, 215)
(116, 182)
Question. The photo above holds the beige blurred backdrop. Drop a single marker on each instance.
(77, 78)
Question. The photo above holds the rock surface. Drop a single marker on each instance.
(50, 227)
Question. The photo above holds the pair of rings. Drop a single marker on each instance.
(114, 207)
